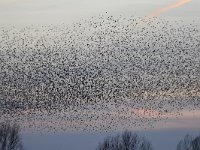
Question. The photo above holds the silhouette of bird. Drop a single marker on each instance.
(104, 73)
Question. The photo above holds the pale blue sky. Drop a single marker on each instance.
(65, 11)
(160, 139)
(164, 136)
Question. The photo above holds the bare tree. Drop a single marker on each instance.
(126, 141)
(185, 144)
(10, 138)
(196, 143)
(189, 143)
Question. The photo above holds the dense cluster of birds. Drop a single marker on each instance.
(104, 73)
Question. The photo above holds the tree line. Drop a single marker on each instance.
(11, 139)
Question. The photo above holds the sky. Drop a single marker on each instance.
(39, 12)
(26, 12)
(165, 135)
(161, 139)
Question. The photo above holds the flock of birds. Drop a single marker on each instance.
(105, 73)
